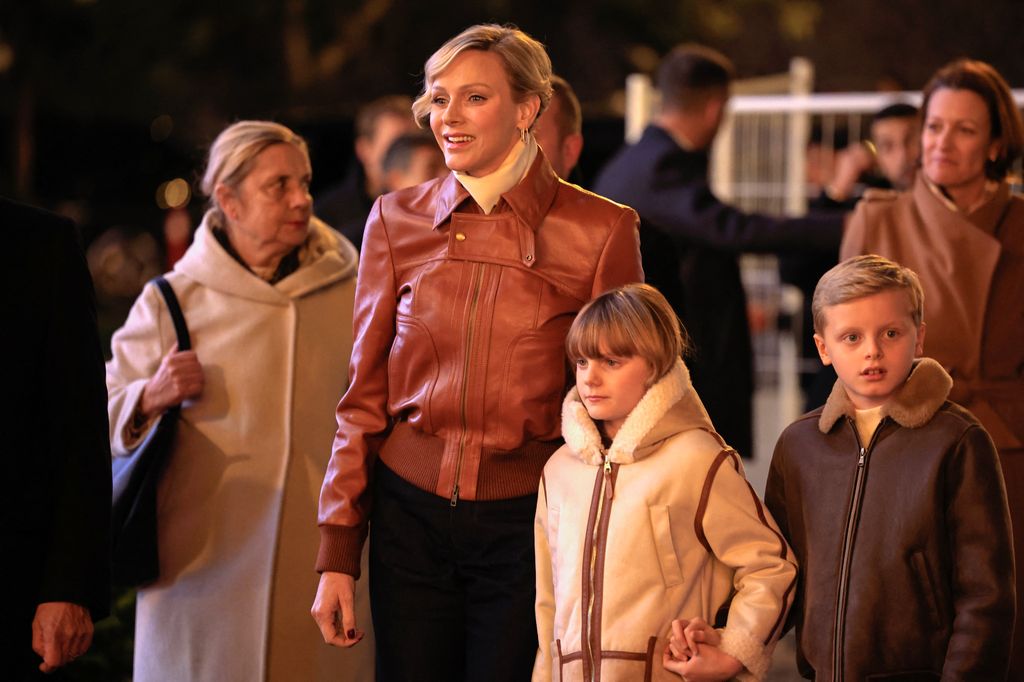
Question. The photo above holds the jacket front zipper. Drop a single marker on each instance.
(839, 628)
(464, 396)
(597, 542)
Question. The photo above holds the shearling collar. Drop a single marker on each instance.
(529, 200)
(668, 408)
(913, 404)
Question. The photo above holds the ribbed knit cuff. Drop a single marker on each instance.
(340, 549)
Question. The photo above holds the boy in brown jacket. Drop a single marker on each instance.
(893, 500)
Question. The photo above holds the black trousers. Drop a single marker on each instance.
(451, 588)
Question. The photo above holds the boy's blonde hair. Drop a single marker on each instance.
(630, 320)
(862, 276)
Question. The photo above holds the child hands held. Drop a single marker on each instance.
(693, 653)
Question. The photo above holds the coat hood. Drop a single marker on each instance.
(671, 406)
(911, 406)
(326, 257)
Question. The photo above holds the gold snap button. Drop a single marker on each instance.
(529, 257)
(460, 237)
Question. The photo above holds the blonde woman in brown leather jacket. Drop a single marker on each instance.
(467, 286)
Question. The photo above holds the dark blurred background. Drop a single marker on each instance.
(101, 101)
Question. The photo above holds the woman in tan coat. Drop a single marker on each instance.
(267, 291)
(962, 231)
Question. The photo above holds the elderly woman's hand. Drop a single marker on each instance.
(179, 378)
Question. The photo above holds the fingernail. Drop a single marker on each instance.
(351, 634)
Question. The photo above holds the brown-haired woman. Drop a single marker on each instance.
(962, 231)
(467, 287)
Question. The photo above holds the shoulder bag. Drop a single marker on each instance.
(134, 556)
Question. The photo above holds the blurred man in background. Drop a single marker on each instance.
(690, 241)
(345, 206)
(411, 159)
(559, 130)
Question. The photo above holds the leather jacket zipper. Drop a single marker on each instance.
(464, 397)
(598, 540)
(852, 520)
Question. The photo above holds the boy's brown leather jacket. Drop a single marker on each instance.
(460, 322)
(904, 544)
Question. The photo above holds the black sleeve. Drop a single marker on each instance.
(75, 567)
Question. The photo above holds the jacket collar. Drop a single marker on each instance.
(668, 408)
(529, 200)
(329, 257)
(912, 406)
(936, 209)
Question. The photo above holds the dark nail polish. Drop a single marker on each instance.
(351, 634)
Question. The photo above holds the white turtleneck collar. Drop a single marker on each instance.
(487, 190)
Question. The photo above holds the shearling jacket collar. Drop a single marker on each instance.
(912, 406)
(529, 200)
(669, 407)
(329, 257)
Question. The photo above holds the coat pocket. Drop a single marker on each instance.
(668, 559)
(413, 368)
(929, 588)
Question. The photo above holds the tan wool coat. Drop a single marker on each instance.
(237, 503)
(659, 525)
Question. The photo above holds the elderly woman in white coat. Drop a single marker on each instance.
(267, 292)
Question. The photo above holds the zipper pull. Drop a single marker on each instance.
(455, 496)
(860, 462)
(608, 492)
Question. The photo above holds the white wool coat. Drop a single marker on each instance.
(660, 525)
(237, 503)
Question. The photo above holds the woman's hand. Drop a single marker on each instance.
(179, 378)
(693, 653)
(334, 609)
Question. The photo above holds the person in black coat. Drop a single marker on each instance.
(689, 240)
(56, 520)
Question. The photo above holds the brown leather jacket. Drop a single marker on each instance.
(458, 368)
(904, 544)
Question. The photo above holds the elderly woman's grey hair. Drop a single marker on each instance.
(234, 152)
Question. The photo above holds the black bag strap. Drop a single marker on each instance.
(174, 308)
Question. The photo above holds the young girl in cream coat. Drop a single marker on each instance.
(654, 554)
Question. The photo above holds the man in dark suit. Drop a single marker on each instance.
(690, 240)
(56, 519)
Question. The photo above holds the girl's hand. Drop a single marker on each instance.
(693, 653)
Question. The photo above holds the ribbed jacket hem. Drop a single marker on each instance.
(503, 474)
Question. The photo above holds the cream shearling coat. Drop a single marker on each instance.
(679, 532)
(238, 501)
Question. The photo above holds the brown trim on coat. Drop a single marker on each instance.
(702, 506)
(588, 549)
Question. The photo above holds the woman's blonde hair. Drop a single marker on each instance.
(631, 320)
(234, 152)
(1004, 117)
(862, 276)
(526, 63)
